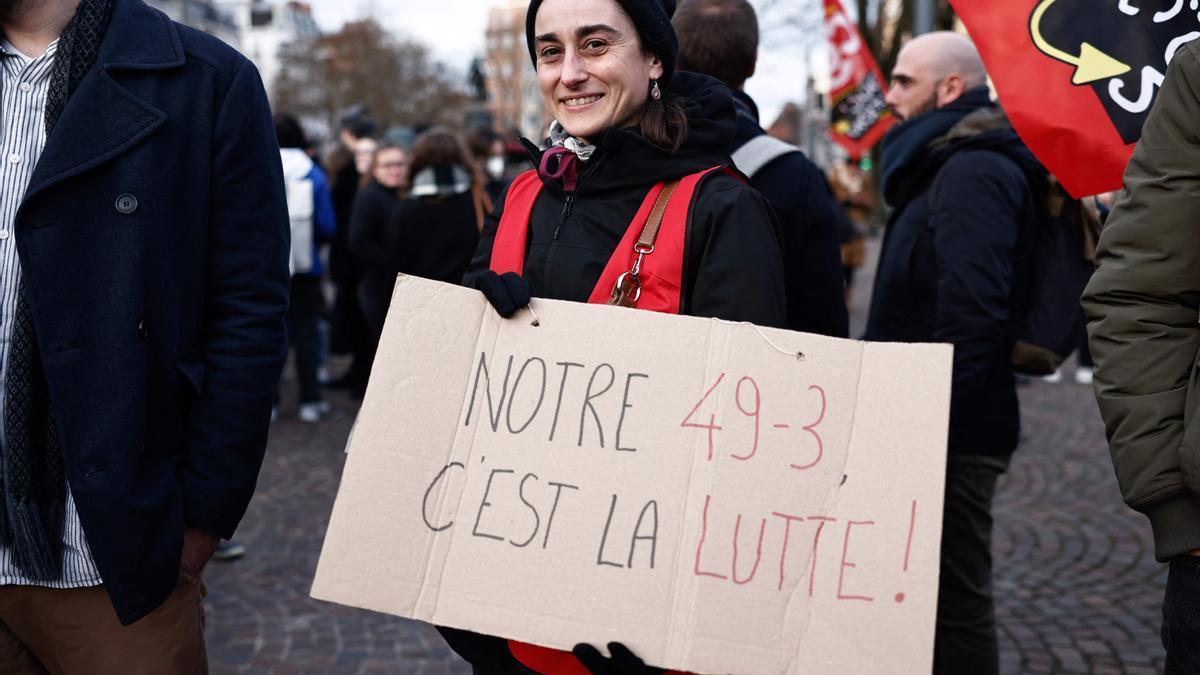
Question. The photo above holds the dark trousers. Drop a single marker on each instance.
(1181, 616)
(966, 640)
(350, 334)
(303, 326)
(374, 308)
(1085, 353)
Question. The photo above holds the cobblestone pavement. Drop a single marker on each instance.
(1078, 587)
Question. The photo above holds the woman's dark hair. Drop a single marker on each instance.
(664, 123)
(480, 142)
(438, 146)
(288, 132)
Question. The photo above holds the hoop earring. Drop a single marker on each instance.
(655, 92)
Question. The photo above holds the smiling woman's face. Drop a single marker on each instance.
(591, 69)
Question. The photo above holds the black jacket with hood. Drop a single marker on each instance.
(733, 266)
(811, 222)
(955, 261)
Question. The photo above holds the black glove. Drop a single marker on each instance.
(623, 661)
(487, 654)
(507, 292)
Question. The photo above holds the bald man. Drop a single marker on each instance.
(959, 181)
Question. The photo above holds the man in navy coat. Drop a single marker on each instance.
(955, 268)
(719, 38)
(143, 288)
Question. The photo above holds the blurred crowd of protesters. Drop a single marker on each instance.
(379, 207)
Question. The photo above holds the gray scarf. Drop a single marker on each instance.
(559, 138)
(33, 509)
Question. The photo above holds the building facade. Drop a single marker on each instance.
(513, 96)
(269, 29)
(204, 15)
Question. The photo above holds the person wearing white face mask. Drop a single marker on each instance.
(631, 138)
(491, 155)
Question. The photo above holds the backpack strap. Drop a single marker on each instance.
(759, 152)
(512, 234)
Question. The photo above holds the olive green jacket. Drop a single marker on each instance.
(1143, 307)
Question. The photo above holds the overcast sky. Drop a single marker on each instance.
(455, 29)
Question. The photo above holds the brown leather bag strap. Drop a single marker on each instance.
(650, 232)
(628, 288)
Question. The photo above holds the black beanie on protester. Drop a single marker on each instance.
(653, 21)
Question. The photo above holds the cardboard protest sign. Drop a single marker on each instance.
(861, 115)
(1077, 78)
(690, 487)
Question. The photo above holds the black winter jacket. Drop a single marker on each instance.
(344, 269)
(436, 237)
(811, 222)
(733, 266)
(954, 265)
(372, 241)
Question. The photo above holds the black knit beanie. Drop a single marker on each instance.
(653, 21)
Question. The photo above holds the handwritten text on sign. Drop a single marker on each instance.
(718, 505)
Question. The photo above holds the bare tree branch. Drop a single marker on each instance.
(397, 79)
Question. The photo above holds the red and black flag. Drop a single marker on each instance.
(860, 114)
(1077, 77)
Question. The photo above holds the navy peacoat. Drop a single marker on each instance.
(154, 239)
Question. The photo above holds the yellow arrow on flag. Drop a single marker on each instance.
(1091, 64)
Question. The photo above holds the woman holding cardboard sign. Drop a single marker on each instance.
(634, 146)
(634, 204)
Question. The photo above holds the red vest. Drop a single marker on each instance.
(662, 279)
(662, 270)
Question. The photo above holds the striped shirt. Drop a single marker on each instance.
(24, 83)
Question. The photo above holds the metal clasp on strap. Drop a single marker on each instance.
(627, 290)
(642, 251)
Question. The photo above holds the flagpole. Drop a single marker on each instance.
(923, 16)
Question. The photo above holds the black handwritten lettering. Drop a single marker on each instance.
(562, 387)
(604, 539)
(429, 491)
(589, 397)
(554, 509)
(537, 519)
(484, 503)
(626, 405)
(513, 397)
(651, 507)
(493, 410)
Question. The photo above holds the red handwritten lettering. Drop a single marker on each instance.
(756, 413)
(812, 430)
(787, 531)
(912, 524)
(700, 546)
(812, 570)
(712, 426)
(842, 573)
(762, 531)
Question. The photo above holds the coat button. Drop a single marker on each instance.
(127, 204)
(142, 331)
